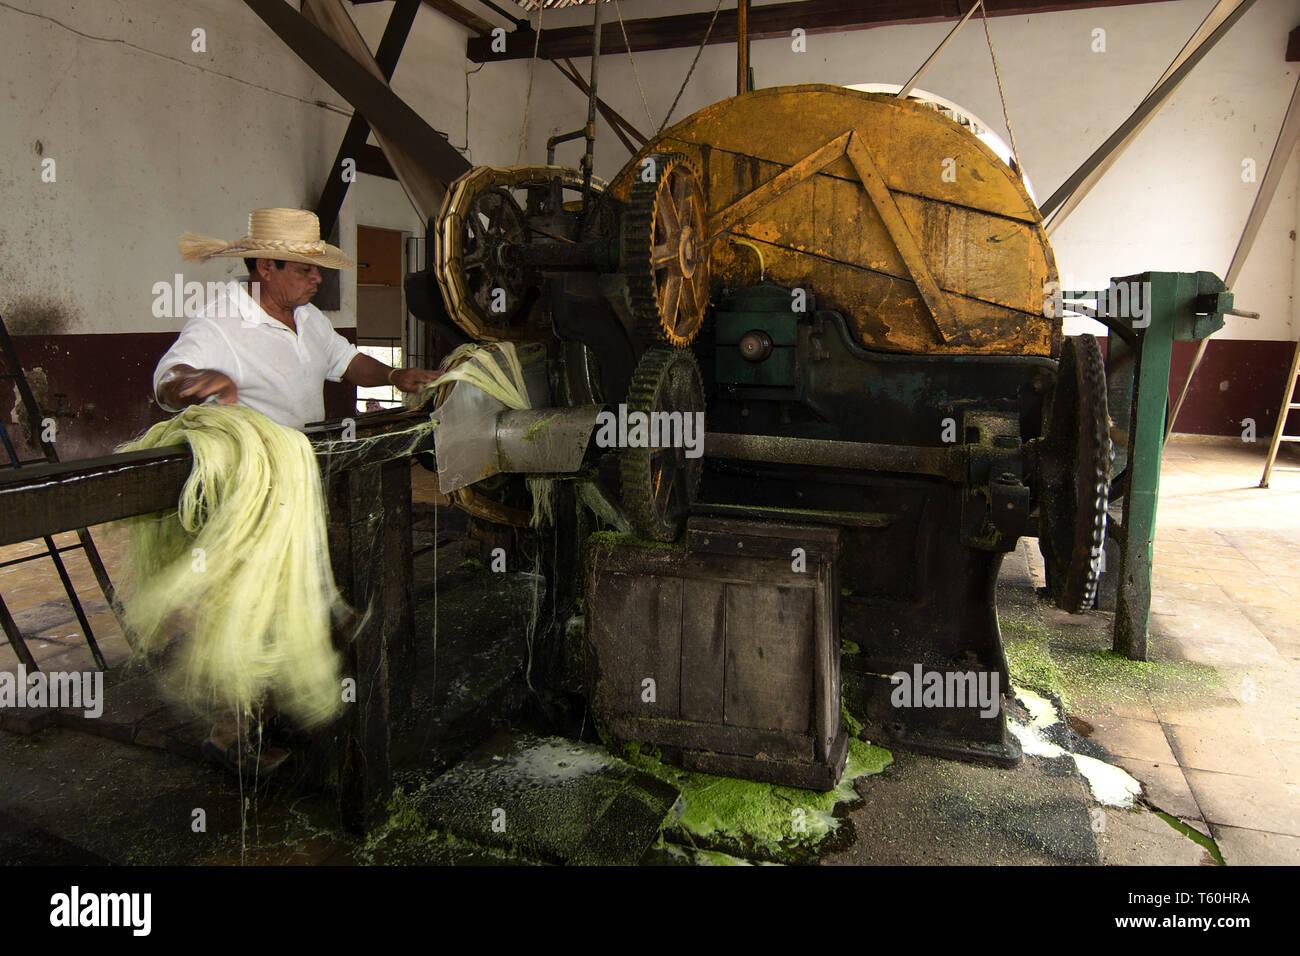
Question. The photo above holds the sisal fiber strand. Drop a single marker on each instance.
(236, 582)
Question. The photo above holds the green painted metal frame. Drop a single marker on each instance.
(1172, 306)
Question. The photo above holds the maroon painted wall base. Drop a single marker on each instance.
(1238, 379)
(98, 388)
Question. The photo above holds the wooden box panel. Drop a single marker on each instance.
(742, 648)
(770, 637)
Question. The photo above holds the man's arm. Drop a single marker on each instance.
(365, 372)
(185, 385)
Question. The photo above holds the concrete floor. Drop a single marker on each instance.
(1211, 728)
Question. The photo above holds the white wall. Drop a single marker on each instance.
(1174, 201)
(151, 140)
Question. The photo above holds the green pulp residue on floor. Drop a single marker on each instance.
(404, 829)
(406, 838)
(1193, 834)
(691, 856)
(759, 816)
(1028, 656)
(1077, 673)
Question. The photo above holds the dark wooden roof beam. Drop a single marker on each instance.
(765, 22)
(452, 9)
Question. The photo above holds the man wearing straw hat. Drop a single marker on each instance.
(266, 346)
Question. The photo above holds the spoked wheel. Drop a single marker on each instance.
(487, 212)
(492, 222)
(665, 251)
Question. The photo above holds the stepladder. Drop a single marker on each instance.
(1288, 405)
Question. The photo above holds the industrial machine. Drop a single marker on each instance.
(858, 294)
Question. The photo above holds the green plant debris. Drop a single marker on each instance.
(617, 538)
(1193, 834)
(407, 838)
(852, 726)
(849, 647)
(1103, 668)
(695, 857)
(748, 816)
(536, 427)
(1028, 655)
(1075, 673)
(404, 830)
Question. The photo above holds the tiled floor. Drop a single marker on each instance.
(1225, 758)
(1225, 588)
(40, 607)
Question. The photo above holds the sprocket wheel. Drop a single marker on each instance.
(659, 484)
(1075, 470)
(666, 250)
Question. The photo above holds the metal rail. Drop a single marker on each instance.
(947, 463)
(64, 496)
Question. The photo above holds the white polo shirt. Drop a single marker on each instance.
(278, 373)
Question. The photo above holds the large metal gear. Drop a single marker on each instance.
(659, 484)
(487, 294)
(1075, 467)
(666, 250)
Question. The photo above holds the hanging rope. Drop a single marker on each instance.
(689, 72)
(528, 97)
(997, 75)
(631, 60)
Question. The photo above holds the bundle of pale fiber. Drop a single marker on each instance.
(236, 583)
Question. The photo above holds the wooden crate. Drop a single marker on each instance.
(722, 650)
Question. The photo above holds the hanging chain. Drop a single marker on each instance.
(703, 44)
(1015, 155)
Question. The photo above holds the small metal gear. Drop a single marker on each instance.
(666, 250)
(1075, 470)
(659, 484)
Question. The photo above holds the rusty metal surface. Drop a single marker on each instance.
(906, 459)
(979, 236)
(545, 440)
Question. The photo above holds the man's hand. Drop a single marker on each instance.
(410, 379)
(366, 372)
(193, 386)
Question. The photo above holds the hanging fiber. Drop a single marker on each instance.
(239, 573)
(496, 370)
(478, 366)
(236, 583)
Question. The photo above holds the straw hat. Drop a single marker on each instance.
(289, 235)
